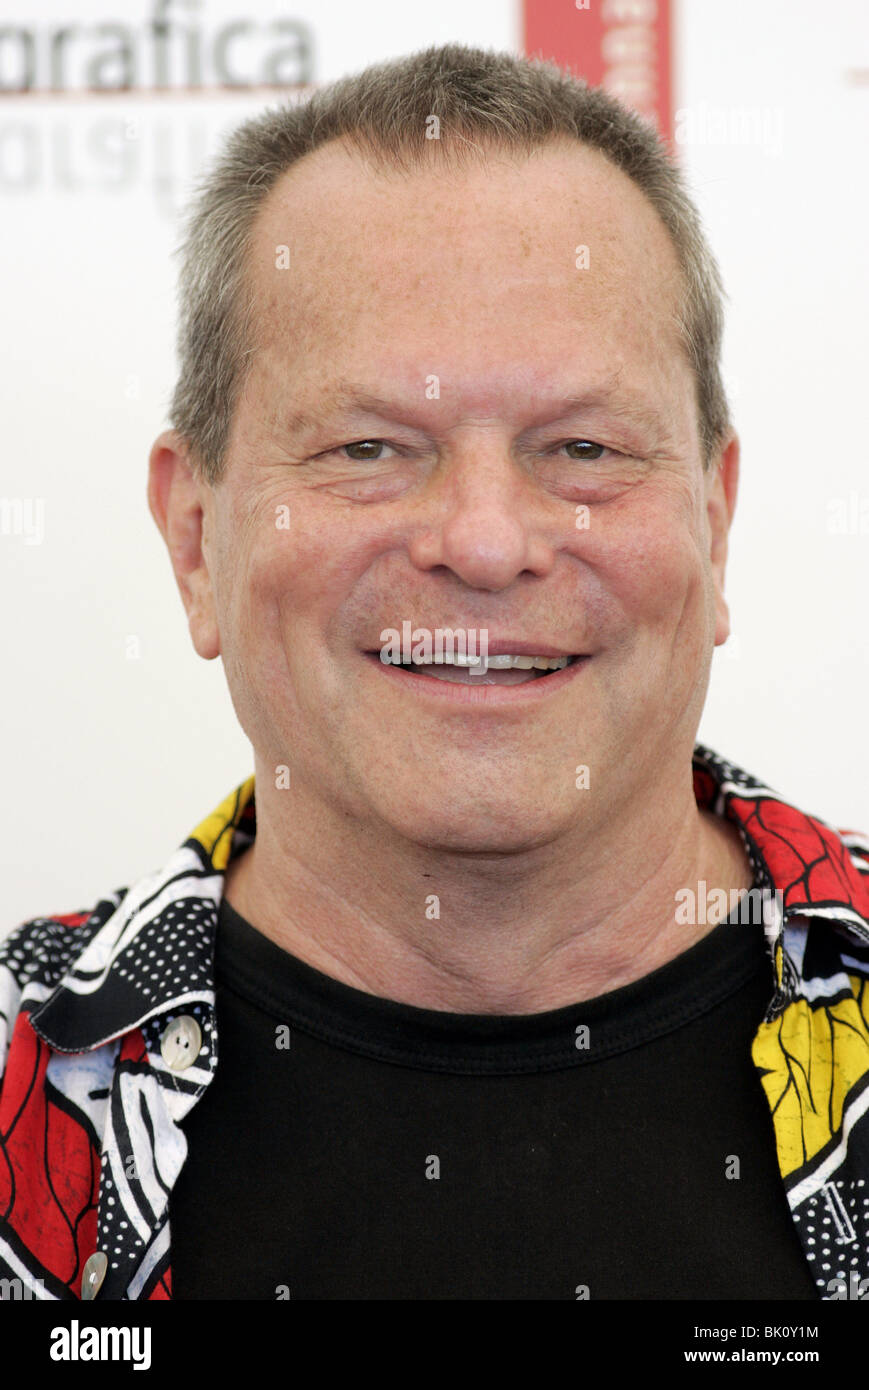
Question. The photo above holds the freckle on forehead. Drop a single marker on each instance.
(370, 256)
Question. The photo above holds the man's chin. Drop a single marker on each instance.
(450, 827)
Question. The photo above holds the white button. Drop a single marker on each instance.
(181, 1042)
(94, 1274)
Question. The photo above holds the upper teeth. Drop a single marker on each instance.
(502, 662)
(525, 663)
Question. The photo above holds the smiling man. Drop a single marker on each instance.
(459, 511)
(428, 1007)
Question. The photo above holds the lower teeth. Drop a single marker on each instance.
(535, 671)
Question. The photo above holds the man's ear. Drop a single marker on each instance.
(180, 503)
(722, 484)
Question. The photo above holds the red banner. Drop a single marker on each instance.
(622, 45)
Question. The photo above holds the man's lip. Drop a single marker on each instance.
(503, 646)
(478, 697)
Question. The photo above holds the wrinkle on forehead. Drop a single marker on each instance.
(329, 204)
(443, 262)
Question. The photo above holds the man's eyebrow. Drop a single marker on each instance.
(628, 407)
(348, 398)
(342, 399)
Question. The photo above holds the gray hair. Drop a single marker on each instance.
(483, 101)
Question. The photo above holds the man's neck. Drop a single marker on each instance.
(521, 934)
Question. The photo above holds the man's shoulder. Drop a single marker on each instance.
(90, 976)
(36, 955)
(818, 867)
(44, 947)
(40, 951)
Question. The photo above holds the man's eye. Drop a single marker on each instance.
(365, 447)
(586, 449)
(371, 450)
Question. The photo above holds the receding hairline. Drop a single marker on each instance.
(446, 157)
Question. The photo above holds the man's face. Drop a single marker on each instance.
(456, 299)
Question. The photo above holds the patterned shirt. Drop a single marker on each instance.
(108, 1039)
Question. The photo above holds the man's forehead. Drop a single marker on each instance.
(347, 255)
(560, 196)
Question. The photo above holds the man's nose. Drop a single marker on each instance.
(484, 521)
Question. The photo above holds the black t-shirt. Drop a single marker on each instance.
(391, 1152)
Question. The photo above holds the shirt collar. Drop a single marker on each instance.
(154, 954)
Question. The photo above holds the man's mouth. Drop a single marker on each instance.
(501, 669)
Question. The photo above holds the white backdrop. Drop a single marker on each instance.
(117, 738)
